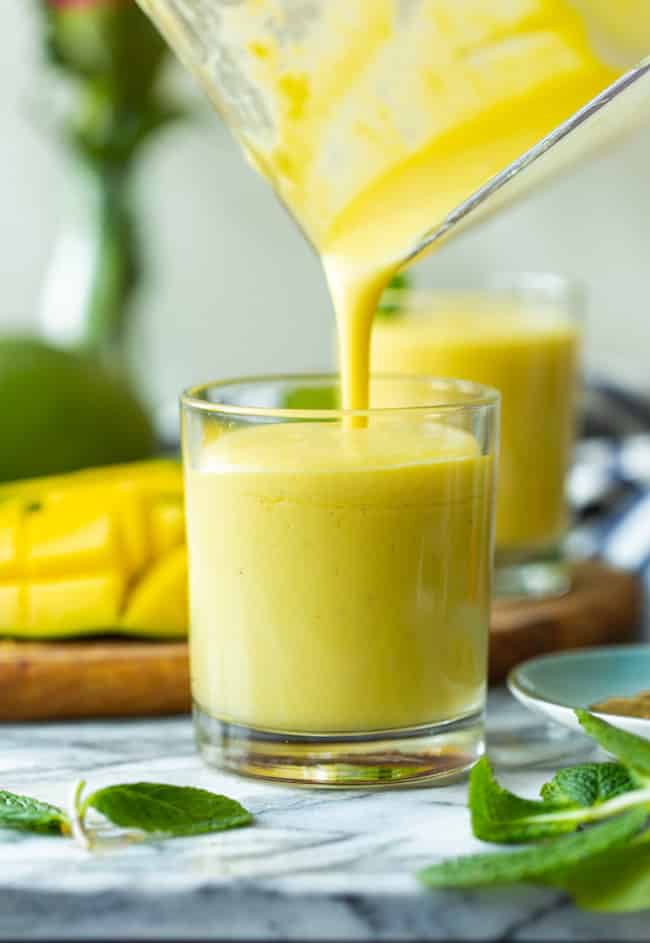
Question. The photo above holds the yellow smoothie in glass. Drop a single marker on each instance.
(340, 578)
(529, 354)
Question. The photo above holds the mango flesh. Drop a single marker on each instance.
(97, 551)
(158, 605)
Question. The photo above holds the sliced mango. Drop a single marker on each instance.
(167, 527)
(101, 550)
(11, 617)
(127, 505)
(64, 539)
(76, 606)
(155, 477)
(11, 519)
(158, 606)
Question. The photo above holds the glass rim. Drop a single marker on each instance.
(544, 286)
(480, 397)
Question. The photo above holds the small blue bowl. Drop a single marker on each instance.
(555, 685)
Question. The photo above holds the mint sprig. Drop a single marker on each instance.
(574, 797)
(614, 882)
(604, 864)
(588, 785)
(539, 862)
(155, 808)
(501, 816)
(172, 811)
(632, 751)
(31, 815)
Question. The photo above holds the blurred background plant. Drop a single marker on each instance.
(112, 61)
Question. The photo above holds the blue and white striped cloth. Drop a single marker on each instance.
(609, 483)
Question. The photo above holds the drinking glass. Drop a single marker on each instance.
(520, 334)
(340, 577)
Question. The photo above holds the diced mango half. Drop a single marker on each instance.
(158, 606)
(97, 551)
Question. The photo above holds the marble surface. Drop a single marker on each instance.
(321, 865)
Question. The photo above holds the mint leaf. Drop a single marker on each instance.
(588, 784)
(631, 750)
(391, 302)
(501, 816)
(30, 815)
(167, 810)
(538, 863)
(613, 882)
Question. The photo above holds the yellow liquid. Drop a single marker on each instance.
(339, 577)
(530, 356)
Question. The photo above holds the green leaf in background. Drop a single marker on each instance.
(631, 750)
(542, 862)
(111, 58)
(391, 303)
(31, 815)
(501, 816)
(167, 810)
(588, 785)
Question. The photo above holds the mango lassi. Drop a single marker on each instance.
(340, 577)
(529, 354)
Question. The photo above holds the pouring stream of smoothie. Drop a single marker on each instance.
(377, 119)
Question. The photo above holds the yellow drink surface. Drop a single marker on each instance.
(530, 356)
(339, 577)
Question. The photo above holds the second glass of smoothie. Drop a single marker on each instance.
(340, 571)
(520, 335)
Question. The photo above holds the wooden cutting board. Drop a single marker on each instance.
(120, 678)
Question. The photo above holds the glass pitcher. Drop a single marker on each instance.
(346, 90)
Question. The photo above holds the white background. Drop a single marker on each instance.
(233, 289)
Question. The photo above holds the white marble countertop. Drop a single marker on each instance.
(317, 864)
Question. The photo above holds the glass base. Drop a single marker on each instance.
(531, 578)
(435, 754)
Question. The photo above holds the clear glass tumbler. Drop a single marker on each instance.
(340, 577)
(520, 334)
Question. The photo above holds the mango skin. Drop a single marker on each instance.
(44, 390)
(94, 552)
